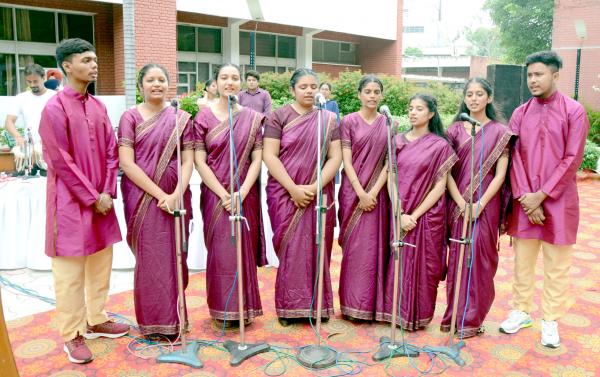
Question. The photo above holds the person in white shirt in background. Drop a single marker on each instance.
(29, 105)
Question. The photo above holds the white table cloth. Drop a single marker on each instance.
(23, 218)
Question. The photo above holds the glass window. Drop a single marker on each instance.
(265, 45)
(186, 38)
(265, 68)
(35, 26)
(8, 82)
(318, 54)
(286, 47)
(183, 78)
(244, 43)
(281, 69)
(182, 89)
(186, 66)
(6, 24)
(209, 40)
(331, 51)
(75, 26)
(46, 61)
(203, 71)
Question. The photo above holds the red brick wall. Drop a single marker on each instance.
(201, 19)
(271, 28)
(565, 43)
(156, 36)
(334, 69)
(103, 25)
(478, 66)
(334, 36)
(383, 56)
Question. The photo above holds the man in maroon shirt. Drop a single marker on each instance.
(80, 149)
(551, 129)
(253, 97)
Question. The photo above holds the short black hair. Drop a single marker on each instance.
(69, 47)
(549, 58)
(35, 69)
(252, 73)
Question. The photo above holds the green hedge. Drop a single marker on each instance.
(591, 154)
(396, 92)
(594, 118)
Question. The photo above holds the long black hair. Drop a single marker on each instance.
(490, 109)
(435, 123)
(145, 70)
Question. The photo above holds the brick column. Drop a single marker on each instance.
(156, 36)
(380, 55)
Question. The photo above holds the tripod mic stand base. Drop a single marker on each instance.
(387, 350)
(186, 356)
(239, 354)
(453, 352)
(317, 357)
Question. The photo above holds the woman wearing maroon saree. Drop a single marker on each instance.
(364, 205)
(147, 142)
(424, 159)
(493, 137)
(212, 162)
(291, 155)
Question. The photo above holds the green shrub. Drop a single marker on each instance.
(591, 153)
(277, 84)
(594, 118)
(189, 103)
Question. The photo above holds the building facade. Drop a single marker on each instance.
(191, 38)
(569, 15)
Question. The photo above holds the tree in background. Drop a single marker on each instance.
(484, 42)
(525, 26)
(413, 51)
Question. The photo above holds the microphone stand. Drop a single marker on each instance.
(389, 347)
(241, 350)
(319, 356)
(466, 242)
(187, 355)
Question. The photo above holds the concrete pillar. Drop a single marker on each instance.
(231, 41)
(304, 48)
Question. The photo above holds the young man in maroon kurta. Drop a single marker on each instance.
(551, 129)
(80, 149)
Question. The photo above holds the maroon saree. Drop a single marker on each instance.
(150, 230)
(421, 163)
(222, 294)
(364, 236)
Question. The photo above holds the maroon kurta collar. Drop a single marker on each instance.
(70, 92)
(544, 101)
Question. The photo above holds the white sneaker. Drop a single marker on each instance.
(550, 336)
(516, 321)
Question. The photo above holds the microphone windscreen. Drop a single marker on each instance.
(233, 98)
(175, 103)
(465, 117)
(383, 109)
(320, 99)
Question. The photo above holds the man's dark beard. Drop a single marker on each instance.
(35, 89)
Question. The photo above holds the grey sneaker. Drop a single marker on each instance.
(516, 321)
(550, 336)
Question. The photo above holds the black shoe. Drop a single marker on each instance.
(285, 322)
(43, 172)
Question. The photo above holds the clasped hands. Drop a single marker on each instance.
(103, 204)
(531, 203)
(225, 201)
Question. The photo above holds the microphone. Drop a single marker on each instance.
(384, 110)
(467, 118)
(175, 103)
(233, 99)
(320, 100)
